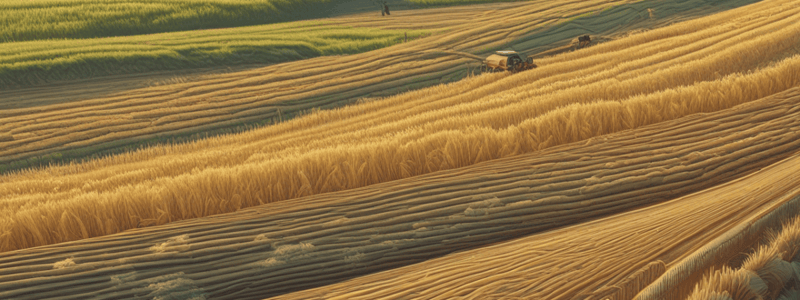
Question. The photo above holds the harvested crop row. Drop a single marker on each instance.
(765, 273)
(273, 93)
(282, 247)
(609, 258)
(679, 281)
(374, 142)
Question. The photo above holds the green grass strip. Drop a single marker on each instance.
(27, 20)
(36, 62)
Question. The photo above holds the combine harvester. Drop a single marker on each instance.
(507, 60)
(510, 60)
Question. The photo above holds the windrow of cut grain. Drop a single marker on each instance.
(282, 247)
(610, 258)
(765, 274)
(373, 142)
(680, 280)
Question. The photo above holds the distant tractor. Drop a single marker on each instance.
(507, 61)
(584, 41)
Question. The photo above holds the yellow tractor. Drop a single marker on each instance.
(507, 60)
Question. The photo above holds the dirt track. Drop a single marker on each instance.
(62, 118)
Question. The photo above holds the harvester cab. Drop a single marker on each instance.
(507, 60)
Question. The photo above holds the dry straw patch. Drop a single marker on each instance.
(624, 84)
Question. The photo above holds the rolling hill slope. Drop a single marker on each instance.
(451, 126)
(279, 92)
(322, 239)
(625, 170)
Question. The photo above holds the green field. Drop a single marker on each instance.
(36, 62)
(26, 20)
(51, 40)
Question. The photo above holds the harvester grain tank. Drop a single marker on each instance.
(507, 60)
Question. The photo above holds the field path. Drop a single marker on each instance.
(80, 119)
(322, 239)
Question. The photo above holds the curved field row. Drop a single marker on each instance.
(416, 133)
(282, 247)
(609, 258)
(270, 94)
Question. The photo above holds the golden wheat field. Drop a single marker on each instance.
(618, 256)
(724, 179)
(445, 127)
(270, 94)
(658, 164)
